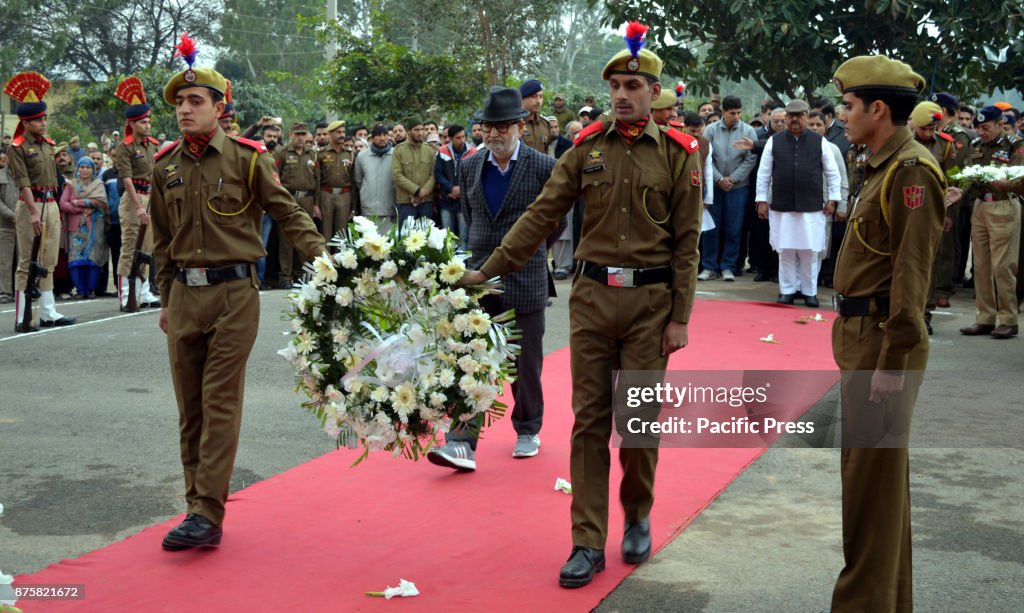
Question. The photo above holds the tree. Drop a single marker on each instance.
(376, 76)
(264, 38)
(792, 47)
(100, 40)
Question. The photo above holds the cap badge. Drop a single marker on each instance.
(190, 76)
(633, 64)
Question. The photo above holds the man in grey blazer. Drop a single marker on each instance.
(497, 185)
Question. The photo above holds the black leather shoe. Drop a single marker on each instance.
(151, 305)
(195, 531)
(978, 330)
(580, 568)
(22, 328)
(786, 298)
(63, 321)
(811, 301)
(761, 277)
(636, 541)
(1005, 331)
(928, 326)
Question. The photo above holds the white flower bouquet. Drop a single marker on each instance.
(388, 350)
(986, 174)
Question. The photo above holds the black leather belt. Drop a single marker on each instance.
(197, 277)
(301, 193)
(859, 307)
(614, 276)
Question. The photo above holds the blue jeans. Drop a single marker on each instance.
(261, 264)
(452, 219)
(727, 211)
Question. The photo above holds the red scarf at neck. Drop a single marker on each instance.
(196, 145)
(631, 131)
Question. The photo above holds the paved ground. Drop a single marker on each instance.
(88, 449)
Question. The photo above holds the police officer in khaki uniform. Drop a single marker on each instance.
(133, 159)
(882, 279)
(300, 175)
(536, 132)
(210, 193)
(632, 294)
(995, 231)
(948, 248)
(335, 162)
(33, 171)
(924, 122)
(412, 171)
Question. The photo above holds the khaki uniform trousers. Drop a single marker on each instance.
(995, 234)
(288, 257)
(611, 328)
(130, 233)
(944, 261)
(875, 470)
(336, 208)
(49, 247)
(210, 333)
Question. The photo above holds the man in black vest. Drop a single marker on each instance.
(794, 165)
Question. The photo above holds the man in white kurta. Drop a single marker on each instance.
(793, 166)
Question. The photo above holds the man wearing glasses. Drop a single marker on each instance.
(491, 206)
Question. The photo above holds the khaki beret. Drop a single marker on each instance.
(926, 114)
(194, 77)
(334, 125)
(62, 147)
(645, 64)
(666, 100)
(877, 72)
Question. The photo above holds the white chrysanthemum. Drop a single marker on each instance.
(444, 328)
(468, 364)
(461, 323)
(478, 346)
(437, 399)
(379, 394)
(366, 285)
(422, 276)
(388, 269)
(446, 377)
(341, 336)
(324, 270)
(344, 296)
(467, 383)
(404, 398)
(365, 226)
(377, 247)
(458, 298)
(415, 240)
(347, 259)
(482, 396)
(453, 271)
(354, 386)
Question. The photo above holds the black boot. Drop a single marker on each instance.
(580, 568)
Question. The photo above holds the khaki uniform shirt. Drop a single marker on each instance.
(895, 258)
(336, 167)
(412, 169)
(564, 117)
(628, 189)
(206, 212)
(961, 143)
(1003, 151)
(537, 133)
(134, 159)
(299, 171)
(32, 165)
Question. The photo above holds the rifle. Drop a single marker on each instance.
(138, 261)
(35, 272)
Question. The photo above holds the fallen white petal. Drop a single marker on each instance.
(769, 339)
(405, 589)
(561, 485)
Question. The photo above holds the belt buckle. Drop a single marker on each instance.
(836, 300)
(196, 277)
(621, 277)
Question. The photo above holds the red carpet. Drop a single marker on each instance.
(316, 537)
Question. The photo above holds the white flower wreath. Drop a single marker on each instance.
(386, 347)
(986, 174)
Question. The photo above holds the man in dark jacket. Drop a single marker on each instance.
(446, 173)
(497, 186)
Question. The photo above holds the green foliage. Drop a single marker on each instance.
(792, 47)
(373, 77)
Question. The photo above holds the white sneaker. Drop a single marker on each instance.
(456, 454)
(707, 275)
(527, 446)
(728, 276)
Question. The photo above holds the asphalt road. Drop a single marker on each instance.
(88, 455)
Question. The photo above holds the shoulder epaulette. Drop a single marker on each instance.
(50, 141)
(592, 128)
(18, 140)
(165, 150)
(976, 141)
(153, 141)
(252, 144)
(688, 142)
(128, 139)
(945, 136)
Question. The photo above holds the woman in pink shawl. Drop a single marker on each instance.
(84, 203)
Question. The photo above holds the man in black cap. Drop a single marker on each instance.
(490, 209)
(995, 230)
(536, 132)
